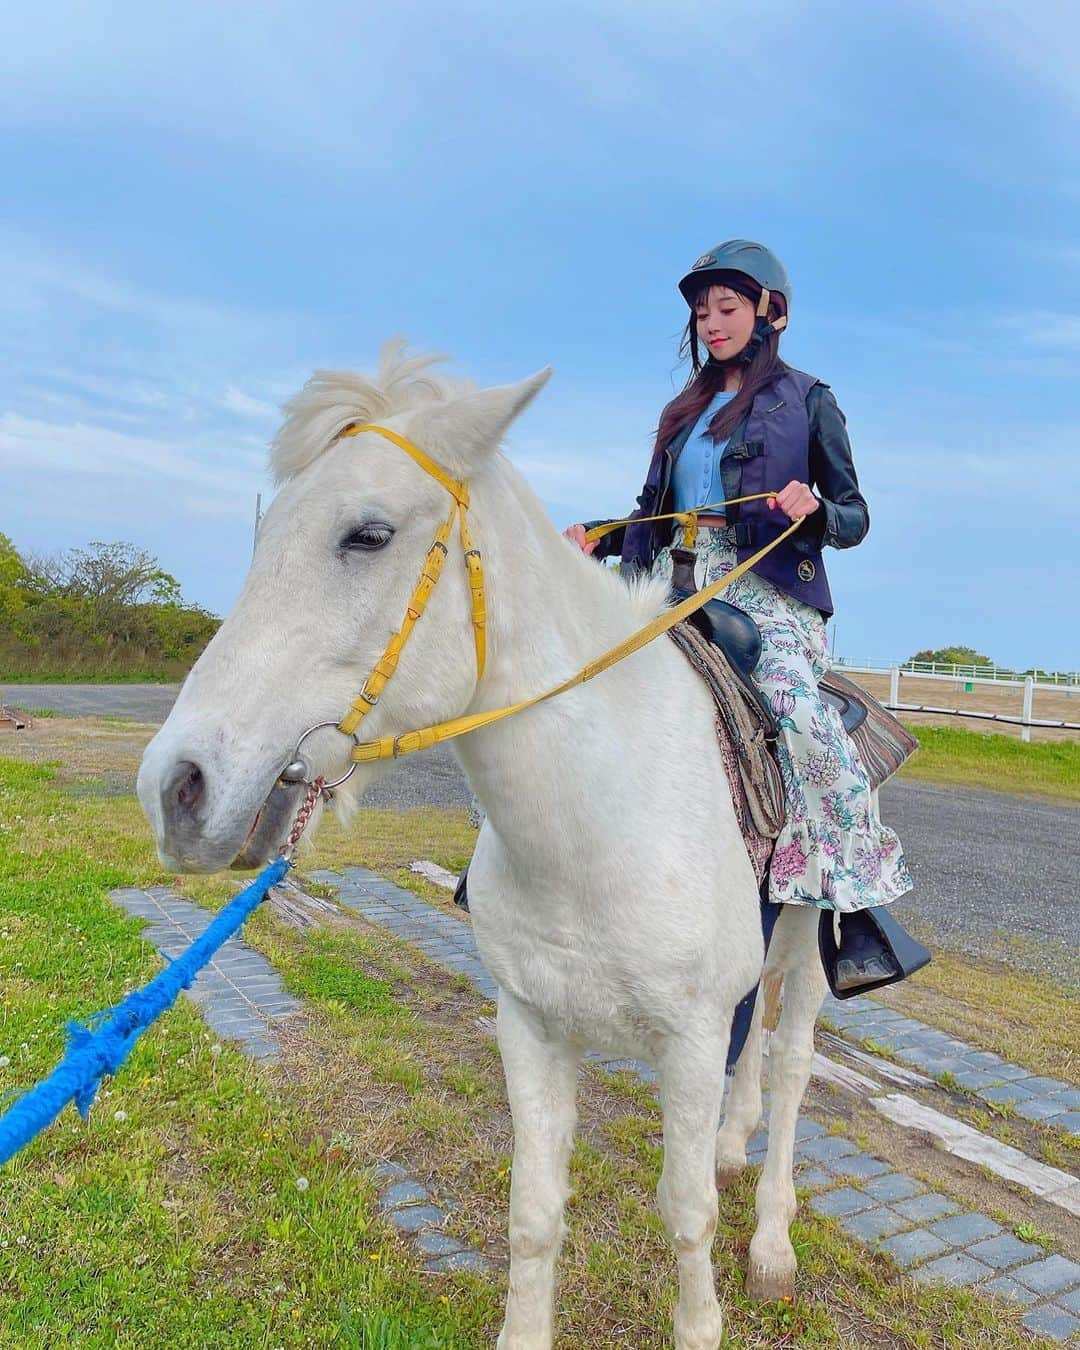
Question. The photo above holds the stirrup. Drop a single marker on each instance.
(874, 950)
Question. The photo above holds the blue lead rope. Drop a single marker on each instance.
(101, 1048)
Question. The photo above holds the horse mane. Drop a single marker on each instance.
(332, 399)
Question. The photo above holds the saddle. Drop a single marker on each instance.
(883, 742)
(738, 637)
(724, 646)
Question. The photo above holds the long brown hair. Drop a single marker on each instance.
(706, 378)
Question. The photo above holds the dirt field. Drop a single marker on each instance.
(1060, 705)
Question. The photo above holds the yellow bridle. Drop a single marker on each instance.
(429, 575)
(391, 747)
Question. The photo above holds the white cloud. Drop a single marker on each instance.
(1045, 328)
(235, 400)
(55, 453)
(1034, 44)
(40, 284)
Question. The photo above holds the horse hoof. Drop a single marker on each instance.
(702, 1334)
(774, 1284)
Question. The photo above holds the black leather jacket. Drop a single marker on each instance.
(843, 518)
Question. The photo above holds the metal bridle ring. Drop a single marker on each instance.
(337, 782)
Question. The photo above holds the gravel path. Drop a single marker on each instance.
(994, 874)
(140, 702)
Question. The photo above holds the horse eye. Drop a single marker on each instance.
(365, 538)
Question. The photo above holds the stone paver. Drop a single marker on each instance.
(1051, 1321)
(840, 1202)
(822, 1150)
(925, 1208)
(1004, 1251)
(1037, 1098)
(239, 993)
(412, 1218)
(1054, 1275)
(963, 1229)
(404, 1193)
(895, 1186)
(862, 1166)
(883, 1208)
(956, 1268)
(1005, 1287)
(870, 1225)
(907, 1249)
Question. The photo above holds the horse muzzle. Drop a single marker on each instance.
(198, 829)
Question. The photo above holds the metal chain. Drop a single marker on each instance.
(303, 815)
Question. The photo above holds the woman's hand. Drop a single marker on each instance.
(795, 500)
(576, 534)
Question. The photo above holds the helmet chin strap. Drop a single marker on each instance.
(763, 328)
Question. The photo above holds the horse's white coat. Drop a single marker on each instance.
(611, 895)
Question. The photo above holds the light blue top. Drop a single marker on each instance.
(696, 480)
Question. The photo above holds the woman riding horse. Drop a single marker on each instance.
(747, 422)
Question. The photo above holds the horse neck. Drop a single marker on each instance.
(550, 610)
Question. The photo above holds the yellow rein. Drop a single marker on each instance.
(392, 747)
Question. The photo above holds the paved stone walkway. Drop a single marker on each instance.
(1044, 1100)
(241, 997)
(442, 937)
(923, 1231)
(239, 993)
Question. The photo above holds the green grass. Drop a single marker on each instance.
(320, 975)
(384, 1331)
(999, 763)
(175, 1216)
(1029, 1232)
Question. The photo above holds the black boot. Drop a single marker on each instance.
(873, 951)
(461, 890)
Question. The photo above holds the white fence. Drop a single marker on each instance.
(1044, 679)
(953, 674)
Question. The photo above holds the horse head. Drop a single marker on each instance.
(338, 557)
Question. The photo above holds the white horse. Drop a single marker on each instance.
(611, 895)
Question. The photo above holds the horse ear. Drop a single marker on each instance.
(463, 432)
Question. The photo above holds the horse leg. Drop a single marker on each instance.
(743, 1110)
(794, 954)
(691, 1081)
(541, 1080)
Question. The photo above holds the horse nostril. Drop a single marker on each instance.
(186, 786)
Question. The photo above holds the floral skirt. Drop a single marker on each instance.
(833, 851)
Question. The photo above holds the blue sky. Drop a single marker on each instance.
(202, 203)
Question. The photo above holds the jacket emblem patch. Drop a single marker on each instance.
(806, 570)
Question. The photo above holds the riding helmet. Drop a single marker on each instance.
(738, 255)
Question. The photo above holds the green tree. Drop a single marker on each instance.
(13, 575)
(957, 656)
(109, 608)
